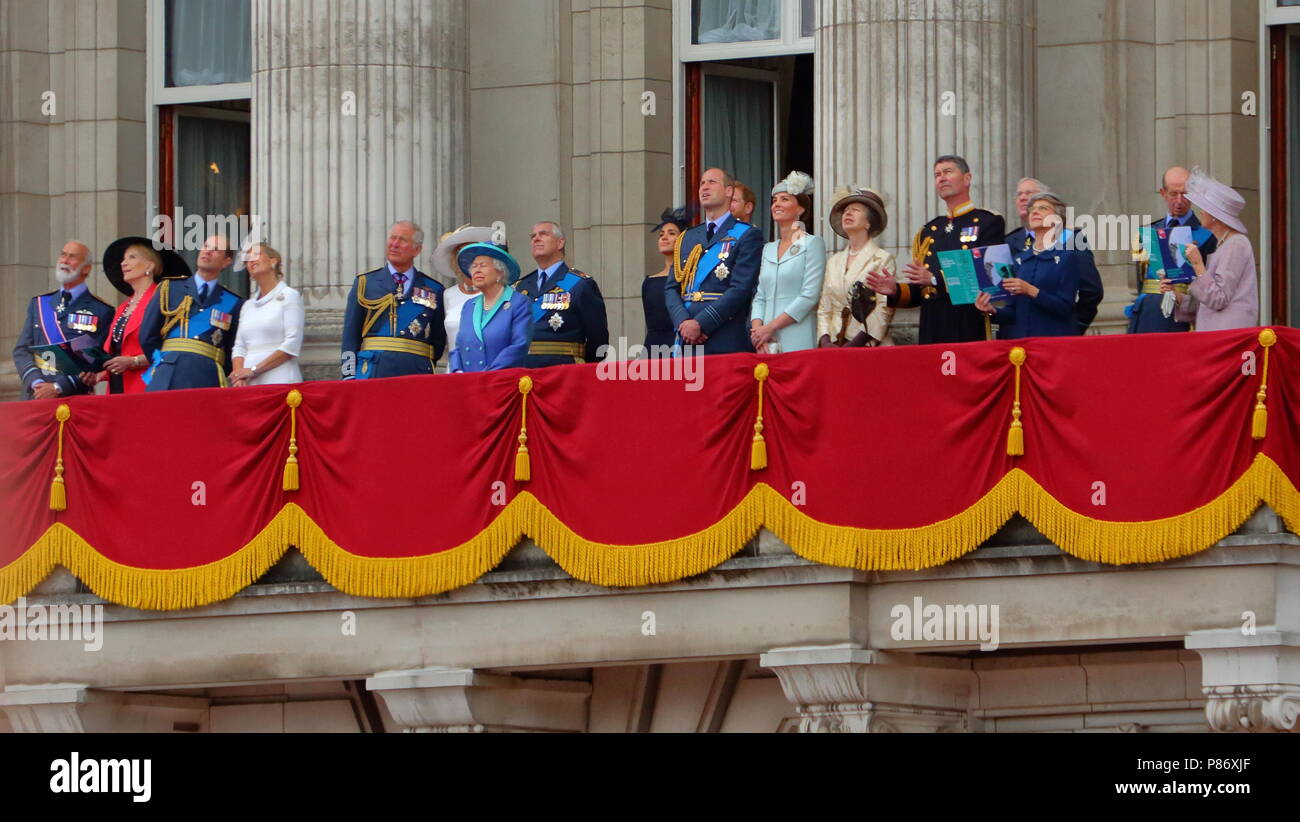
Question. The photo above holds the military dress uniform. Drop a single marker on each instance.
(568, 315)
(714, 281)
(389, 332)
(187, 334)
(941, 321)
(56, 318)
(1144, 314)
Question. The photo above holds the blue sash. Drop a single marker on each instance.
(201, 323)
(710, 259)
(565, 284)
(50, 325)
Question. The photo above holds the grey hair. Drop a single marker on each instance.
(555, 228)
(416, 232)
(498, 265)
(1058, 205)
(960, 162)
(1041, 186)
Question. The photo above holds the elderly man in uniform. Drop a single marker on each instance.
(189, 327)
(61, 316)
(964, 226)
(569, 322)
(394, 320)
(715, 273)
(1022, 237)
(1145, 314)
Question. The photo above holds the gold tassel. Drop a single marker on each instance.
(58, 491)
(523, 468)
(293, 400)
(1016, 435)
(1259, 423)
(758, 451)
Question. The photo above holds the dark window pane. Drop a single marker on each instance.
(737, 136)
(212, 183)
(208, 41)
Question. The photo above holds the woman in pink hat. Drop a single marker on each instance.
(1225, 293)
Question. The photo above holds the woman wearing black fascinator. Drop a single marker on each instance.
(658, 325)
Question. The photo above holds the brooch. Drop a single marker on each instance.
(721, 271)
(555, 322)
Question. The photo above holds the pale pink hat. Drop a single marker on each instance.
(1222, 202)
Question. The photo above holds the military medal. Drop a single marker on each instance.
(555, 322)
(414, 328)
(216, 337)
(721, 271)
(948, 228)
(970, 234)
(221, 319)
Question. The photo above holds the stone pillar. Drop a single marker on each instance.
(898, 84)
(461, 700)
(80, 709)
(843, 689)
(1251, 683)
(358, 120)
(72, 145)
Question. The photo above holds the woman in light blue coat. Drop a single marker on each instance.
(783, 316)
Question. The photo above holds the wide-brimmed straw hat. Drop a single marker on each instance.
(174, 265)
(875, 205)
(496, 252)
(442, 261)
(1219, 200)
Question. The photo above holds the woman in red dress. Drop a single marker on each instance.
(135, 268)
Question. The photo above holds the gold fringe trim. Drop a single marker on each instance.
(865, 549)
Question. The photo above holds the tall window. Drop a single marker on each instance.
(748, 91)
(200, 67)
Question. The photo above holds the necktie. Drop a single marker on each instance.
(204, 291)
(399, 280)
(708, 233)
(541, 281)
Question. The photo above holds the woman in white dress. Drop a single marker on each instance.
(269, 339)
(858, 216)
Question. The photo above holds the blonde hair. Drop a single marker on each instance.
(266, 250)
(150, 252)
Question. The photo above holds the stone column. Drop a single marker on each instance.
(843, 689)
(898, 84)
(80, 709)
(1251, 683)
(461, 700)
(358, 120)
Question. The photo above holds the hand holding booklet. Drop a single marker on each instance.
(71, 358)
(968, 271)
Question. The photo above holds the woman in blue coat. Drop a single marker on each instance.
(1044, 292)
(496, 325)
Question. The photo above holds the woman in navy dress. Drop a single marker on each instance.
(658, 324)
(1044, 291)
(497, 324)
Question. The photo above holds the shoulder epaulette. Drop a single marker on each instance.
(579, 273)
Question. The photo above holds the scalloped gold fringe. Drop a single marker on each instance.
(1116, 543)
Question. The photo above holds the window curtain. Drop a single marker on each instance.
(735, 21)
(208, 42)
(737, 136)
(212, 180)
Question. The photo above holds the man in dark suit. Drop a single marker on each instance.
(393, 324)
(715, 273)
(58, 317)
(1145, 314)
(189, 327)
(963, 226)
(569, 321)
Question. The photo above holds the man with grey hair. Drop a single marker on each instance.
(393, 324)
(1146, 314)
(569, 322)
(69, 317)
(1020, 239)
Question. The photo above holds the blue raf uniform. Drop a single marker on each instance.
(714, 281)
(187, 333)
(568, 316)
(389, 332)
(1144, 314)
(55, 318)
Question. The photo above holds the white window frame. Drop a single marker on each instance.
(157, 93)
(789, 43)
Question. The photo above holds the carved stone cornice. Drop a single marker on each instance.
(1252, 708)
(461, 700)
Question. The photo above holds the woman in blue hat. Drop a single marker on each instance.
(496, 325)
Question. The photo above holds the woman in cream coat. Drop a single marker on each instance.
(790, 278)
(859, 216)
